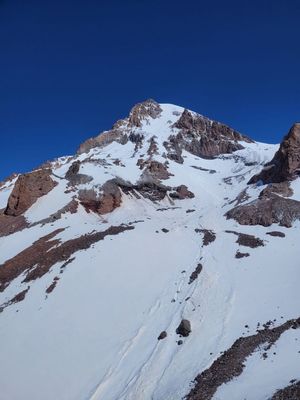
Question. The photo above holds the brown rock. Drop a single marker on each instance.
(285, 165)
(141, 111)
(109, 199)
(276, 234)
(28, 188)
(241, 255)
(290, 392)
(247, 240)
(209, 236)
(157, 170)
(267, 210)
(74, 177)
(181, 193)
(282, 188)
(232, 362)
(37, 259)
(205, 138)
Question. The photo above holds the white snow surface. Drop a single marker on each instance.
(95, 336)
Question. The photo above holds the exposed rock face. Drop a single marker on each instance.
(184, 328)
(282, 189)
(291, 392)
(109, 199)
(208, 236)
(205, 138)
(157, 170)
(267, 210)
(197, 134)
(231, 364)
(195, 273)
(28, 188)
(74, 177)
(182, 193)
(103, 139)
(285, 165)
(121, 131)
(141, 111)
(37, 259)
(247, 240)
(10, 224)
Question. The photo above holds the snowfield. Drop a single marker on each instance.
(94, 337)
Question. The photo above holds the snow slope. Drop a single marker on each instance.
(95, 335)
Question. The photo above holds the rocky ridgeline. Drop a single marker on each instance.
(122, 130)
(192, 132)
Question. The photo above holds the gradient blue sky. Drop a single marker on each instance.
(70, 69)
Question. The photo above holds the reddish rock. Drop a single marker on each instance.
(205, 138)
(37, 259)
(10, 224)
(109, 199)
(74, 177)
(267, 210)
(28, 188)
(285, 165)
(181, 193)
(141, 111)
(157, 170)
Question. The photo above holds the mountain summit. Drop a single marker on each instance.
(159, 262)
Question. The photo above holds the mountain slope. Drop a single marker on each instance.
(148, 224)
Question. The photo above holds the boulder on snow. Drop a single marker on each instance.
(162, 335)
(181, 193)
(184, 328)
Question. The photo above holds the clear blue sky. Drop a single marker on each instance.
(70, 69)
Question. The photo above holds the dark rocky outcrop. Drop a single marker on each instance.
(162, 335)
(141, 111)
(285, 165)
(232, 362)
(195, 273)
(291, 392)
(238, 254)
(107, 201)
(247, 240)
(28, 188)
(267, 210)
(74, 177)
(10, 224)
(282, 189)
(157, 170)
(37, 259)
(276, 234)
(122, 130)
(184, 328)
(181, 193)
(205, 138)
(208, 236)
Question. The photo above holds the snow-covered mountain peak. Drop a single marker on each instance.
(165, 249)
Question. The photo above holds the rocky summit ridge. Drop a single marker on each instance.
(158, 262)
